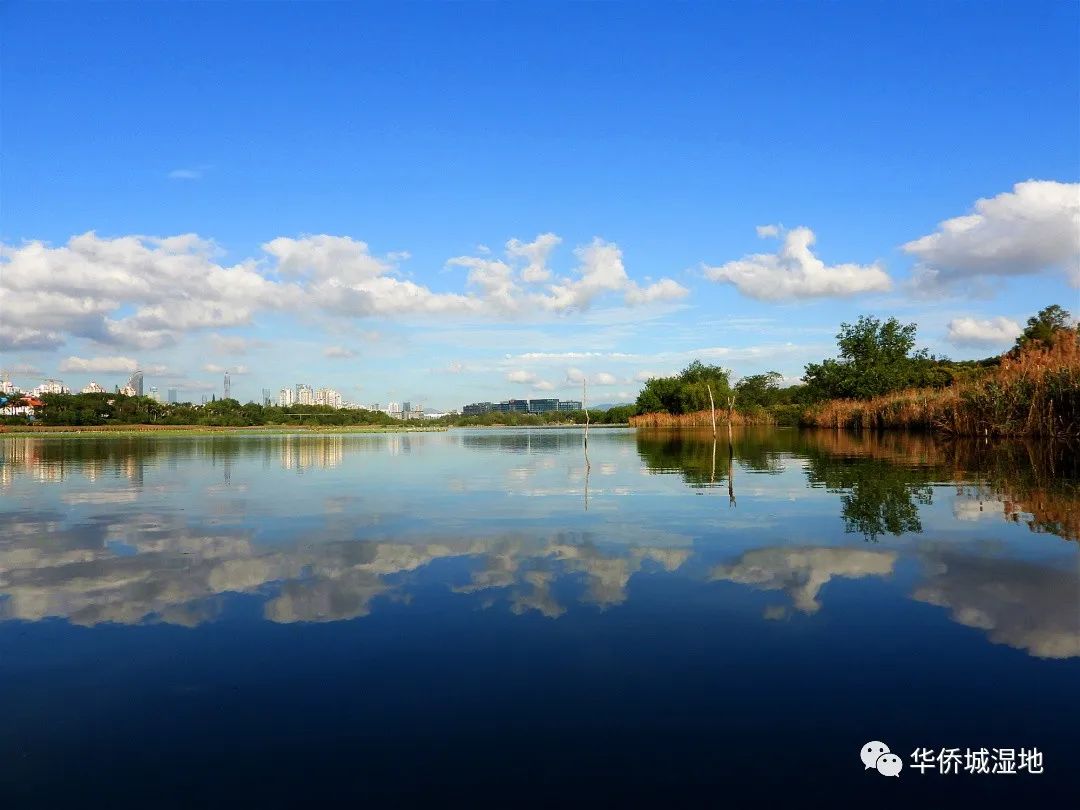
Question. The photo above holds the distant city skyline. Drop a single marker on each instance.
(620, 192)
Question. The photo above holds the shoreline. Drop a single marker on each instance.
(127, 431)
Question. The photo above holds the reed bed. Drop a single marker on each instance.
(1033, 392)
(700, 419)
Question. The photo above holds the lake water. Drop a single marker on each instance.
(488, 614)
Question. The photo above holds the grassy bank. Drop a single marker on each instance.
(1032, 392)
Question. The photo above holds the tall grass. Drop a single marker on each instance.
(1033, 392)
(700, 419)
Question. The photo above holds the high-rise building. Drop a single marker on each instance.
(154, 394)
(285, 397)
(227, 386)
(406, 407)
(135, 383)
(172, 396)
(328, 397)
(267, 397)
(93, 388)
(304, 394)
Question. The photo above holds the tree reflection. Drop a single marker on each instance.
(884, 479)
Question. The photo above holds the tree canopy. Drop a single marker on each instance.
(875, 358)
(687, 391)
(1042, 326)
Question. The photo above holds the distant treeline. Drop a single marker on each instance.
(117, 409)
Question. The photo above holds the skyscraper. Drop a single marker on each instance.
(228, 387)
(172, 396)
(135, 383)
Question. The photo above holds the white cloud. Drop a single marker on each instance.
(795, 272)
(1032, 228)
(536, 255)
(601, 271)
(972, 332)
(185, 174)
(99, 365)
(521, 376)
(136, 291)
(544, 385)
(768, 231)
(574, 375)
(338, 352)
(603, 378)
(147, 292)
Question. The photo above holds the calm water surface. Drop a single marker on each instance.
(420, 617)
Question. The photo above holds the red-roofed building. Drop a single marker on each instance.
(24, 406)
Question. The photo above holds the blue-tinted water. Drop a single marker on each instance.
(488, 615)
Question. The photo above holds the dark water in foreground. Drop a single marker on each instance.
(426, 617)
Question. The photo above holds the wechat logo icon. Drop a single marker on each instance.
(876, 754)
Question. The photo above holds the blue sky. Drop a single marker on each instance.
(345, 180)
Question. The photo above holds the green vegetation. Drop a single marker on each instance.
(117, 409)
(879, 380)
(687, 391)
(1042, 327)
(875, 358)
(883, 479)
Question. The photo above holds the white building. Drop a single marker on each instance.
(304, 395)
(51, 387)
(285, 397)
(93, 388)
(329, 397)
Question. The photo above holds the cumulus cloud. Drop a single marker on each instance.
(604, 378)
(601, 271)
(99, 365)
(795, 272)
(136, 291)
(535, 254)
(1034, 227)
(768, 231)
(521, 376)
(338, 352)
(990, 332)
(544, 385)
(147, 292)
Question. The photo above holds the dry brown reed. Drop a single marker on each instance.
(1033, 392)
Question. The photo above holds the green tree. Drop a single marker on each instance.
(1041, 327)
(758, 390)
(875, 358)
(686, 392)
